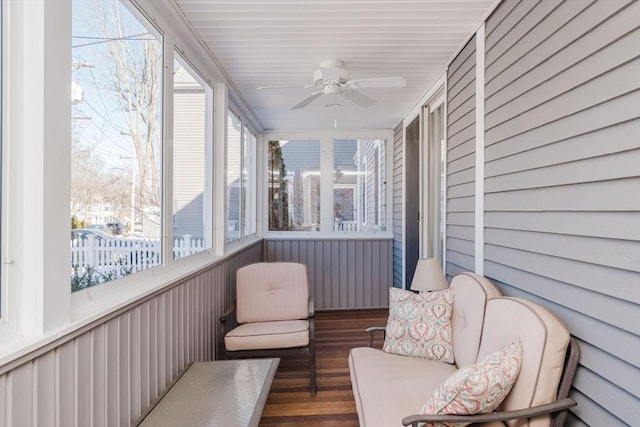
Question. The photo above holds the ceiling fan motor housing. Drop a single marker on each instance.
(324, 76)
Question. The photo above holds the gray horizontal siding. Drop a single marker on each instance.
(189, 163)
(398, 202)
(461, 119)
(111, 371)
(562, 182)
(342, 273)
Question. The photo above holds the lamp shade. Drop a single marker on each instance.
(429, 276)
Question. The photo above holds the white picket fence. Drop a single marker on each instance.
(120, 257)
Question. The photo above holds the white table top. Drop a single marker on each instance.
(219, 393)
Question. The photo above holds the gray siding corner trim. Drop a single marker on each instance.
(397, 217)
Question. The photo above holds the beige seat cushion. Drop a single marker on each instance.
(272, 291)
(471, 294)
(544, 345)
(388, 387)
(268, 335)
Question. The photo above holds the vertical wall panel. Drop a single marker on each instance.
(4, 410)
(342, 273)
(113, 377)
(84, 378)
(135, 372)
(461, 161)
(124, 368)
(562, 200)
(45, 388)
(21, 384)
(99, 389)
(66, 395)
(144, 362)
(109, 373)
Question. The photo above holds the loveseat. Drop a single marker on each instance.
(391, 389)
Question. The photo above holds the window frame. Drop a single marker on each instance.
(209, 96)
(327, 139)
(243, 238)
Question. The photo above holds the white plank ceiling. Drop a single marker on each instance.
(281, 42)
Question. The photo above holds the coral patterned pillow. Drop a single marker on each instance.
(477, 389)
(419, 325)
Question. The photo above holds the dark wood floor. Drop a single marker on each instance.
(289, 402)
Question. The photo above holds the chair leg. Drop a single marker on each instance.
(312, 358)
(312, 369)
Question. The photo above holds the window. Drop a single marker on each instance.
(241, 179)
(294, 185)
(234, 176)
(358, 185)
(327, 183)
(249, 195)
(192, 112)
(115, 143)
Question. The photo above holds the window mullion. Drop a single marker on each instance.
(326, 184)
(167, 155)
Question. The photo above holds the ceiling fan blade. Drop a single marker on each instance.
(378, 82)
(284, 87)
(308, 100)
(359, 98)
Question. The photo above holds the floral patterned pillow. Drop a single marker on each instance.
(419, 325)
(477, 389)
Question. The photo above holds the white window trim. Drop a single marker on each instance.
(429, 221)
(36, 196)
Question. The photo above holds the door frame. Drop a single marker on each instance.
(429, 149)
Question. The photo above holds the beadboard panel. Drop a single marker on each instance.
(108, 373)
(562, 182)
(342, 274)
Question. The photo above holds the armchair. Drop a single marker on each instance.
(274, 315)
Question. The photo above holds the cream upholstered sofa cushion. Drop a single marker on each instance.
(272, 291)
(388, 386)
(264, 335)
(471, 293)
(544, 344)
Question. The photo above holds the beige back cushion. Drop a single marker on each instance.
(272, 291)
(471, 293)
(544, 345)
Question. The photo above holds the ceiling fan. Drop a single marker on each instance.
(332, 79)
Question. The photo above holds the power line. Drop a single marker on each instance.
(110, 39)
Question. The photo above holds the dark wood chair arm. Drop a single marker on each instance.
(372, 331)
(549, 408)
(227, 313)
